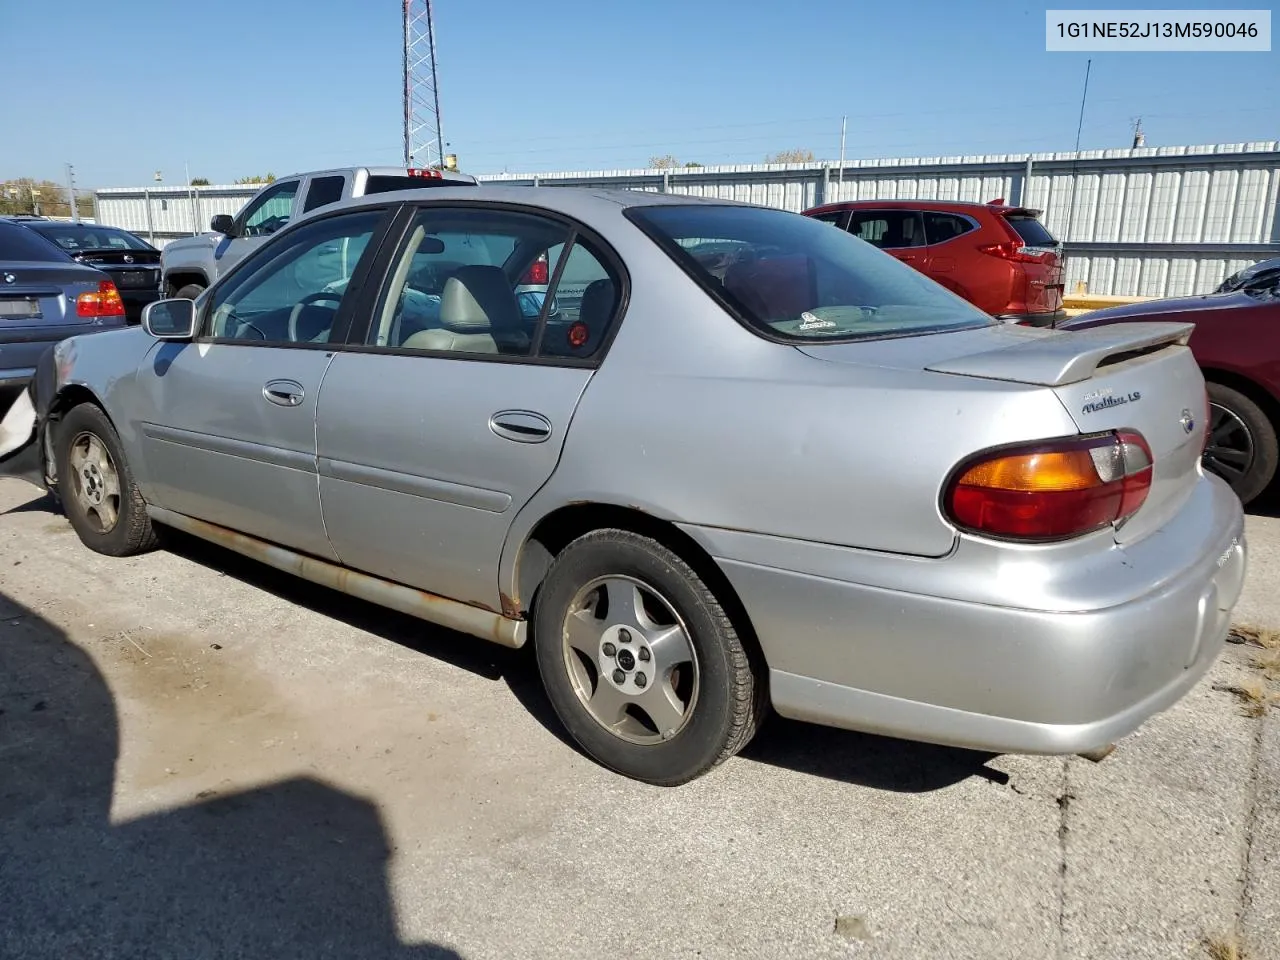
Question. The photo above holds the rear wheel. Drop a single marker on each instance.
(96, 487)
(189, 291)
(1242, 447)
(640, 661)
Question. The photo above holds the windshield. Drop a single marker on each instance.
(793, 277)
(18, 243)
(76, 238)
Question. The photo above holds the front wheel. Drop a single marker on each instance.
(640, 661)
(96, 487)
(189, 292)
(1242, 447)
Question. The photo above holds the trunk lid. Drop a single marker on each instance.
(1137, 376)
(43, 295)
(130, 269)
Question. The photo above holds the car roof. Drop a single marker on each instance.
(579, 202)
(912, 203)
(456, 176)
(70, 224)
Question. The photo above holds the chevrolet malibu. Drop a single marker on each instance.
(751, 462)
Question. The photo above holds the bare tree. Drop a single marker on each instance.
(28, 195)
(666, 162)
(797, 155)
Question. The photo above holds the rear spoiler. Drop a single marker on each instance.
(1054, 358)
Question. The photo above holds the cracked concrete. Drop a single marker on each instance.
(204, 758)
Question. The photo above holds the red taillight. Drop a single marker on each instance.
(1053, 490)
(538, 272)
(1014, 251)
(425, 173)
(105, 303)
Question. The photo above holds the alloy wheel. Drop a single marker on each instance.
(1230, 450)
(95, 481)
(630, 660)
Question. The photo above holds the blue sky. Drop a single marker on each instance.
(237, 87)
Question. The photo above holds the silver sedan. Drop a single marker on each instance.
(732, 459)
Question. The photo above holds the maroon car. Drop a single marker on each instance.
(1237, 344)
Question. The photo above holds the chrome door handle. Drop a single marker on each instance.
(286, 393)
(522, 426)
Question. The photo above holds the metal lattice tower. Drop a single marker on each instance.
(423, 141)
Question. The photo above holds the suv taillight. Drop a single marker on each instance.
(105, 303)
(1015, 251)
(1052, 490)
(538, 272)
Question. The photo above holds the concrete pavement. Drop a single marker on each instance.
(200, 757)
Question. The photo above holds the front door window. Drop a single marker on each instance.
(270, 211)
(294, 294)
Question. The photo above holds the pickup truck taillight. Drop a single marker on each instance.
(538, 272)
(105, 303)
(1052, 490)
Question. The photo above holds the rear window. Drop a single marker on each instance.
(79, 238)
(19, 243)
(792, 277)
(386, 183)
(1032, 231)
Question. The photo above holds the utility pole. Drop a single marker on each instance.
(191, 199)
(71, 189)
(423, 136)
(840, 175)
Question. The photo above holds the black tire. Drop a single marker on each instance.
(132, 531)
(189, 291)
(729, 702)
(1261, 470)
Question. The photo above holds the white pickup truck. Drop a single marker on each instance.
(189, 265)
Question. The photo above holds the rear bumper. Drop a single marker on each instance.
(16, 377)
(135, 300)
(20, 350)
(999, 676)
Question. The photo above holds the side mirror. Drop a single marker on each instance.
(170, 319)
(223, 223)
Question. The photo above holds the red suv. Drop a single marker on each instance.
(999, 258)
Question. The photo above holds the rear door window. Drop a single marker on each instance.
(323, 190)
(941, 227)
(1032, 232)
(888, 229)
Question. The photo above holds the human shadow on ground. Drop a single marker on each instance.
(292, 870)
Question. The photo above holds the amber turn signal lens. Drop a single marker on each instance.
(1052, 490)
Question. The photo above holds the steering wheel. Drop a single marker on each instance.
(309, 299)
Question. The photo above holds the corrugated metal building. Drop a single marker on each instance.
(1146, 221)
